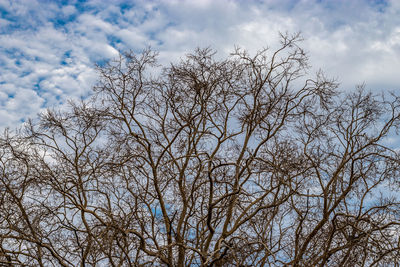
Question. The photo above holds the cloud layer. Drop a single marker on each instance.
(48, 50)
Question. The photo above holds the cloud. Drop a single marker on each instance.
(48, 50)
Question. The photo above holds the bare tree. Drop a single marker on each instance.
(237, 162)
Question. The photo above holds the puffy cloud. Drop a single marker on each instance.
(48, 50)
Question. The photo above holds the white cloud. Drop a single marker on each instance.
(46, 61)
(68, 10)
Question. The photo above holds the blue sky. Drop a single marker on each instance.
(48, 49)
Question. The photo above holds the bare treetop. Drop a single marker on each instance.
(245, 161)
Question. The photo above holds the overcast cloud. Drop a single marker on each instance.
(48, 49)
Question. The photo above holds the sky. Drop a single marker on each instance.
(48, 49)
